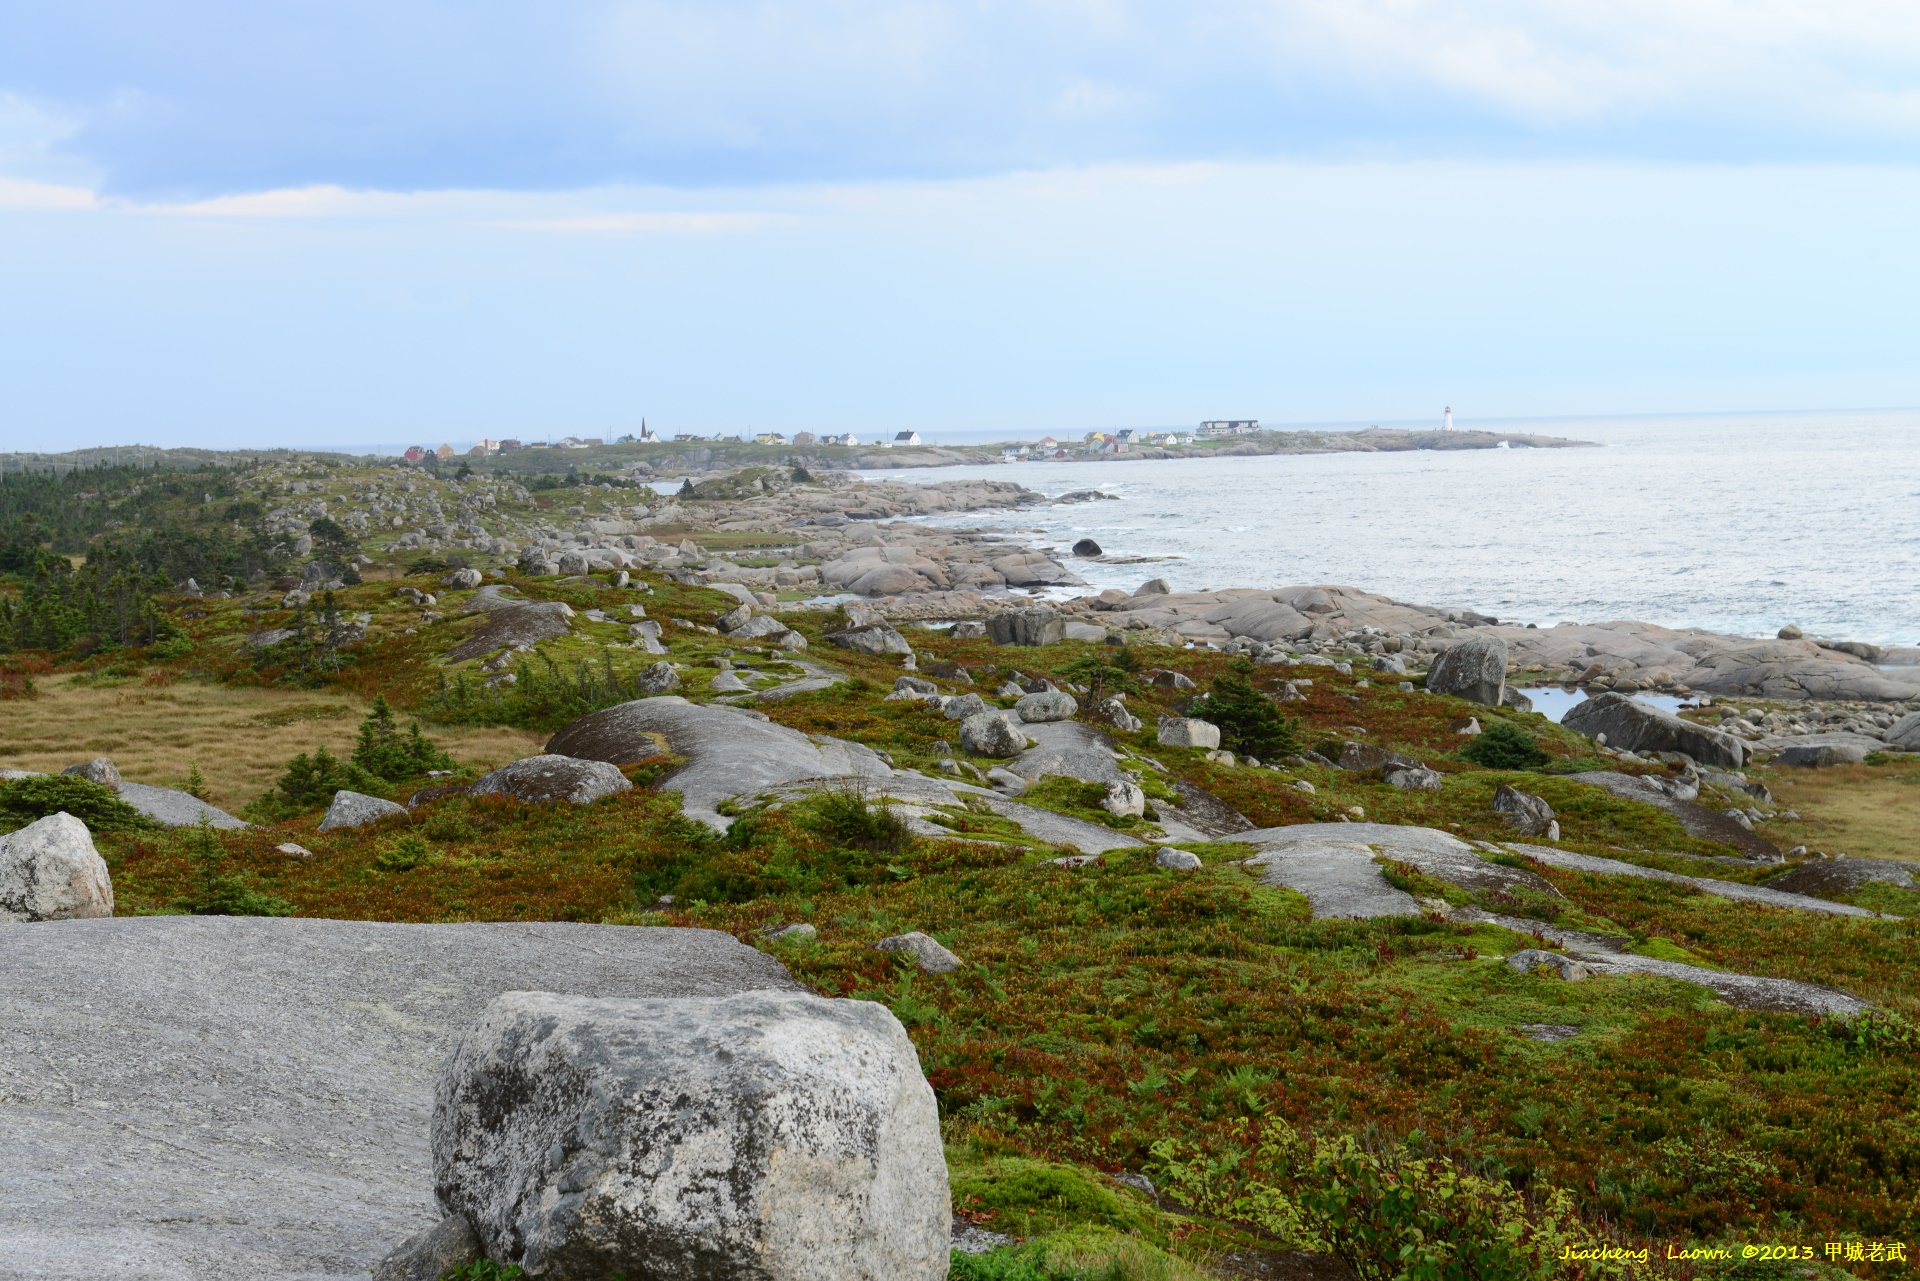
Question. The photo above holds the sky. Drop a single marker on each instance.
(230, 224)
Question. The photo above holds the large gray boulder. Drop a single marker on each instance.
(876, 640)
(656, 679)
(729, 753)
(258, 1093)
(958, 709)
(1475, 670)
(553, 777)
(774, 1135)
(1904, 734)
(357, 809)
(996, 734)
(1038, 626)
(1635, 726)
(1054, 705)
(49, 871)
(1821, 755)
(1525, 813)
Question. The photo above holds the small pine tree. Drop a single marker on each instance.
(382, 750)
(1249, 721)
(196, 781)
(1504, 745)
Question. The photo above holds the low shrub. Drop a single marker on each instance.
(1504, 745)
(220, 893)
(1389, 1213)
(27, 800)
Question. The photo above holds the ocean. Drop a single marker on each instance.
(1735, 523)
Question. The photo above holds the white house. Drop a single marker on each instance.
(1216, 427)
(906, 438)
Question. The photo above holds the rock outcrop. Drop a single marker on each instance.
(729, 753)
(49, 871)
(769, 1134)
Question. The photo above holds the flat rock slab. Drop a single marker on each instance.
(1725, 889)
(1842, 876)
(229, 1099)
(1059, 829)
(729, 753)
(1607, 955)
(1333, 864)
(1696, 820)
(514, 625)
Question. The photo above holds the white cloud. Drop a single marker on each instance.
(19, 193)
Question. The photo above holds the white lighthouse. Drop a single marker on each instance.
(1446, 420)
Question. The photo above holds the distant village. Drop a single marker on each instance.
(1093, 442)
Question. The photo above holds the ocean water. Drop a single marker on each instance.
(1736, 523)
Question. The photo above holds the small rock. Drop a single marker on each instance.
(1124, 800)
(968, 630)
(917, 685)
(958, 709)
(798, 932)
(447, 1246)
(1564, 966)
(299, 852)
(1302, 785)
(992, 734)
(1790, 632)
(1415, 780)
(357, 809)
(100, 769)
(1007, 781)
(1528, 815)
(1220, 756)
(925, 950)
(1186, 731)
(463, 579)
(660, 678)
(1177, 860)
(1086, 547)
(50, 871)
(728, 683)
(1111, 711)
(1154, 587)
(734, 619)
(1470, 725)
(1740, 817)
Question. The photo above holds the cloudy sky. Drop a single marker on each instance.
(231, 223)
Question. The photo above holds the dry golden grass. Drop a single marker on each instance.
(241, 738)
(1863, 811)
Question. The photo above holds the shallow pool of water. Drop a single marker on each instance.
(1553, 702)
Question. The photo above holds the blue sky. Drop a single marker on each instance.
(236, 224)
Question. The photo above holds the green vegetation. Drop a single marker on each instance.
(27, 800)
(1356, 1087)
(1250, 722)
(1504, 745)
